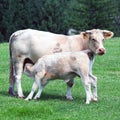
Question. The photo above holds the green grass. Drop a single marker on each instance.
(53, 105)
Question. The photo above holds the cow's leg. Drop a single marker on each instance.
(69, 86)
(11, 81)
(93, 80)
(18, 74)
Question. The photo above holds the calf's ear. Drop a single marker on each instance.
(107, 34)
(86, 35)
(28, 68)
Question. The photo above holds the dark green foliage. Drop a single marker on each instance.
(38, 14)
(116, 21)
(51, 15)
(93, 14)
(58, 15)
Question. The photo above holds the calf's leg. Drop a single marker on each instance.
(93, 80)
(37, 96)
(40, 86)
(37, 83)
(34, 87)
(87, 85)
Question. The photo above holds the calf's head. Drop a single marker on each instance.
(96, 39)
(28, 69)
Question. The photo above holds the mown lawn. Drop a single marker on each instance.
(53, 105)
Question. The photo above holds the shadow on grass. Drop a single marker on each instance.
(4, 93)
(48, 96)
(44, 96)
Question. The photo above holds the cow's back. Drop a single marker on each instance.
(34, 44)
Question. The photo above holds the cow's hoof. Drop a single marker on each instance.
(95, 99)
(69, 98)
(22, 97)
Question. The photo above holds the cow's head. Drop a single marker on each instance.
(96, 39)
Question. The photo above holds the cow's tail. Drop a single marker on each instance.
(11, 76)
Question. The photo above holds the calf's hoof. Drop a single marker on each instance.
(36, 98)
(27, 99)
(87, 102)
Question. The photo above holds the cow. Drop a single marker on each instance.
(72, 32)
(63, 65)
(27, 46)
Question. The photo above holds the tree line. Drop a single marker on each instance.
(58, 15)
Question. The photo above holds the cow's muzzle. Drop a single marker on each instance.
(100, 51)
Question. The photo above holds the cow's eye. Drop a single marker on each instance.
(94, 40)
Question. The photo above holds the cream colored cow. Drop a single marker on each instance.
(27, 46)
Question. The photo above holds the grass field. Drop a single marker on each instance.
(53, 105)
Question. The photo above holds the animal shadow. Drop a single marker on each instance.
(48, 96)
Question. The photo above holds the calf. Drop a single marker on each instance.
(27, 46)
(65, 65)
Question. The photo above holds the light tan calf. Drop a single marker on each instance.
(65, 65)
(27, 46)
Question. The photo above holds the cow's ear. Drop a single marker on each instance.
(107, 34)
(86, 35)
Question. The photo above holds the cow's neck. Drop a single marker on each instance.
(85, 44)
(77, 43)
